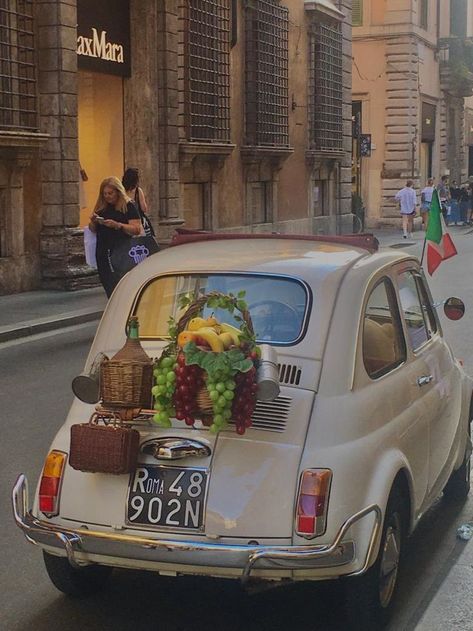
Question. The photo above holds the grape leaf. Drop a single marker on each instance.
(233, 361)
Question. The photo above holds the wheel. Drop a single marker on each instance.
(458, 485)
(274, 319)
(77, 582)
(369, 598)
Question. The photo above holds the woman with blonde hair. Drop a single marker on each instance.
(115, 218)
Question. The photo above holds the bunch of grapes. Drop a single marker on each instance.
(189, 379)
(163, 391)
(245, 399)
(221, 388)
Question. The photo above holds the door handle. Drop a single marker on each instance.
(424, 380)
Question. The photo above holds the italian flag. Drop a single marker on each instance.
(439, 243)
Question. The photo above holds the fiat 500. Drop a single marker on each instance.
(371, 424)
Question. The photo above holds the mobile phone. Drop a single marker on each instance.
(99, 219)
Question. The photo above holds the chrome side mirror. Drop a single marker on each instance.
(454, 308)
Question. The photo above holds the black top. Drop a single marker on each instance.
(108, 238)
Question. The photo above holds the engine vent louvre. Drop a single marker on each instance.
(272, 415)
(289, 374)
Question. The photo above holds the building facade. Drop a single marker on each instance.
(412, 83)
(236, 112)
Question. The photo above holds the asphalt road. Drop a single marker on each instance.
(35, 377)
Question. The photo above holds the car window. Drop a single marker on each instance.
(414, 309)
(384, 347)
(277, 304)
(430, 319)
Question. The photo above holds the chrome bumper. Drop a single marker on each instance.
(189, 553)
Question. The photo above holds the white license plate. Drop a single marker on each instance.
(167, 497)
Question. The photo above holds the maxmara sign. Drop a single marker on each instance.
(98, 46)
(103, 36)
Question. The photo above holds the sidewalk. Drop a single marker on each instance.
(34, 312)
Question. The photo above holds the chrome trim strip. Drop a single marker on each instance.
(243, 557)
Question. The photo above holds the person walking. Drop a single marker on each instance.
(131, 181)
(455, 197)
(465, 203)
(425, 201)
(407, 202)
(115, 218)
(444, 196)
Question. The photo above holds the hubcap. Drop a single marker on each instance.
(390, 561)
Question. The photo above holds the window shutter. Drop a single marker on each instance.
(357, 13)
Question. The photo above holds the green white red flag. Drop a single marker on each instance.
(439, 243)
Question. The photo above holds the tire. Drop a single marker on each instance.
(76, 582)
(369, 598)
(458, 485)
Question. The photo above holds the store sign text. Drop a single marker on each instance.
(97, 46)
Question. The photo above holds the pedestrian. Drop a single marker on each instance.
(115, 218)
(465, 203)
(444, 196)
(425, 201)
(455, 196)
(131, 181)
(407, 202)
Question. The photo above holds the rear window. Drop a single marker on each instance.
(278, 305)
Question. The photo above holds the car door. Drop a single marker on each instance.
(397, 417)
(431, 368)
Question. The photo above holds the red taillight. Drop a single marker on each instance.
(312, 502)
(50, 484)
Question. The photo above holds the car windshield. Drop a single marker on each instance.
(277, 305)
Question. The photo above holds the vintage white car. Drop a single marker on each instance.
(372, 422)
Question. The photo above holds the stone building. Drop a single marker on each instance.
(412, 76)
(236, 112)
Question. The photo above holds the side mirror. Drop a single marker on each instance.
(454, 308)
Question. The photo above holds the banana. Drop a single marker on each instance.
(196, 323)
(212, 339)
(234, 332)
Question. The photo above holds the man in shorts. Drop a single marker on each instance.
(407, 202)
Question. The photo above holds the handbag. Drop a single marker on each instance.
(90, 246)
(130, 252)
(110, 448)
(145, 220)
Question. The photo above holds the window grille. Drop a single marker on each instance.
(267, 111)
(207, 70)
(18, 100)
(357, 13)
(326, 88)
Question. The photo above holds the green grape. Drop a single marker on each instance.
(229, 394)
(157, 406)
(171, 376)
(222, 401)
(220, 387)
(166, 362)
(163, 417)
(230, 385)
(160, 379)
(227, 414)
(214, 429)
(154, 390)
(218, 419)
(214, 395)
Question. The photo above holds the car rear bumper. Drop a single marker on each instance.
(81, 545)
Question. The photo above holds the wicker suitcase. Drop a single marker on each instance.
(103, 448)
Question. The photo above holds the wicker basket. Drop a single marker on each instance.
(99, 448)
(126, 379)
(203, 400)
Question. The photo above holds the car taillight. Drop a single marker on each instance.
(312, 502)
(50, 484)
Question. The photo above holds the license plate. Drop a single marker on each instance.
(167, 497)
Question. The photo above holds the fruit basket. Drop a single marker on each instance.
(208, 371)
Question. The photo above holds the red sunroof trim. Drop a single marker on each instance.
(365, 241)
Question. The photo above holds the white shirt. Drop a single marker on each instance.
(407, 197)
(428, 191)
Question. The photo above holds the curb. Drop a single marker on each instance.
(42, 325)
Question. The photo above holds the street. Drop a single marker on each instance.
(35, 377)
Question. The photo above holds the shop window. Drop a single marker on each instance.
(326, 88)
(18, 103)
(357, 13)
(384, 347)
(266, 72)
(207, 70)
